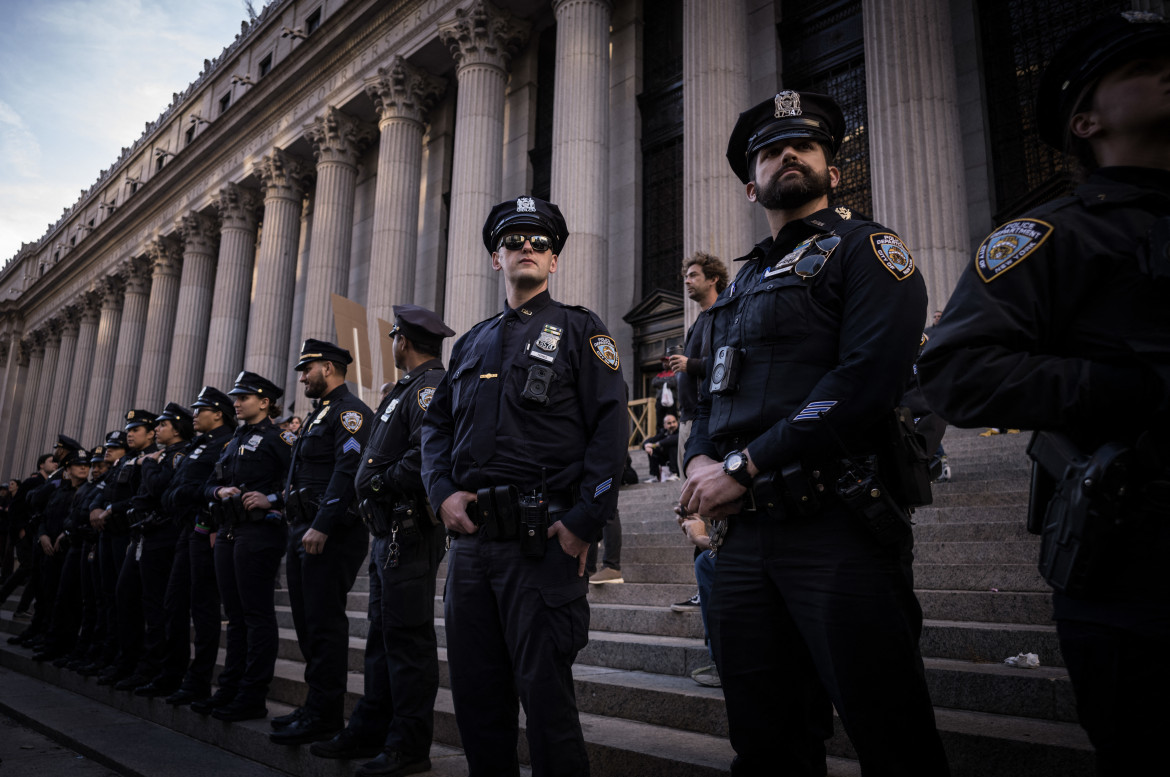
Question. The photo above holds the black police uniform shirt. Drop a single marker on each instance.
(394, 451)
(126, 479)
(78, 519)
(327, 455)
(183, 497)
(156, 476)
(578, 438)
(1059, 323)
(841, 343)
(56, 510)
(256, 458)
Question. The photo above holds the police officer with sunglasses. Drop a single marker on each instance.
(813, 341)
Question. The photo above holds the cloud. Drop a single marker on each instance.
(20, 154)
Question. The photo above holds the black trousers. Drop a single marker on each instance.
(47, 574)
(67, 607)
(806, 611)
(318, 586)
(246, 562)
(111, 556)
(515, 625)
(89, 628)
(202, 592)
(162, 658)
(402, 655)
(131, 621)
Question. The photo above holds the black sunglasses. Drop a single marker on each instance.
(814, 259)
(540, 243)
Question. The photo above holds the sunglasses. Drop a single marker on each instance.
(540, 243)
(818, 253)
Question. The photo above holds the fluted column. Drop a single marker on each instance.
(15, 382)
(482, 40)
(25, 454)
(716, 214)
(338, 141)
(580, 173)
(83, 372)
(63, 392)
(915, 143)
(97, 401)
(160, 324)
(193, 311)
(47, 390)
(228, 328)
(403, 95)
(270, 317)
(131, 332)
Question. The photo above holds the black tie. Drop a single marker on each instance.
(487, 399)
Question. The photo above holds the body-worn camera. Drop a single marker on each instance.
(725, 370)
(536, 388)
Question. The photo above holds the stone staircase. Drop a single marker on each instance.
(976, 576)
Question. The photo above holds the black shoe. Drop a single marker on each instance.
(222, 698)
(157, 688)
(132, 682)
(690, 605)
(281, 722)
(92, 669)
(187, 696)
(393, 764)
(309, 728)
(345, 745)
(111, 677)
(63, 662)
(47, 655)
(75, 664)
(240, 710)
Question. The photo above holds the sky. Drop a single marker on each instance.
(79, 79)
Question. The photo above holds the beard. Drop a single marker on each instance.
(778, 194)
(315, 387)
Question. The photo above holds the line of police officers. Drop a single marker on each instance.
(517, 452)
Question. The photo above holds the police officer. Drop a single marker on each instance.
(401, 657)
(1060, 324)
(88, 631)
(813, 342)
(192, 598)
(327, 541)
(249, 543)
(104, 647)
(523, 448)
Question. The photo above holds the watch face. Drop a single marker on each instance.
(734, 461)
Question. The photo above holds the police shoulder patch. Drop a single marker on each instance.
(605, 349)
(893, 254)
(351, 420)
(424, 396)
(288, 437)
(1009, 245)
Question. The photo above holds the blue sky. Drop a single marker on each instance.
(79, 79)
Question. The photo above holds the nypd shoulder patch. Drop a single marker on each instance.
(288, 437)
(893, 254)
(605, 349)
(424, 397)
(1009, 245)
(351, 420)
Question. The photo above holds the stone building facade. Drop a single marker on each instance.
(355, 147)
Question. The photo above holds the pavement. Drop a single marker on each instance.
(27, 753)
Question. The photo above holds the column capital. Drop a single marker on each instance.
(559, 4)
(70, 320)
(164, 255)
(111, 288)
(338, 137)
(403, 91)
(284, 175)
(238, 206)
(52, 330)
(199, 233)
(88, 304)
(482, 34)
(34, 343)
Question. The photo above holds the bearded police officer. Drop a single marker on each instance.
(523, 448)
(327, 541)
(813, 342)
(395, 718)
(1061, 325)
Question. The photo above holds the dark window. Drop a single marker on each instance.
(73, 240)
(224, 102)
(313, 22)
(159, 162)
(265, 65)
(824, 52)
(133, 187)
(91, 222)
(1019, 38)
(190, 134)
(661, 109)
(541, 154)
(56, 258)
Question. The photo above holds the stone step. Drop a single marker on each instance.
(964, 514)
(987, 606)
(987, 531)
(988, 553)
(978, 577)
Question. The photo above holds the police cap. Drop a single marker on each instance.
(420, 325)
(528, 213)
(99, 454)
(176, 413)
(116, 439)
(321, 350)
(786, 116)
(1085, 57)
(68, 443)
(139, 418)
(251, 383)
(75, 456)
(214, 399)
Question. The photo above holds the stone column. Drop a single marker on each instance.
(160, 324)
(16, 377)
(83, 372)
(270, 317)
(716, 214)
(128, 357)
(915, 143)
(67, 390)
(93, 423)
(482, 40)
(228, 328)
(25, 454)
(193, 313)
(580, 179)
(403, 95)
(431, 263)
(338, 141)
(47, 389)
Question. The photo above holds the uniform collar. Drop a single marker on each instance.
(336, 395)
(430, 364)
(263, 422)
(1114, 185)
(824, 220)
(531, 307)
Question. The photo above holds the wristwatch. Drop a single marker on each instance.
(736, 465)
